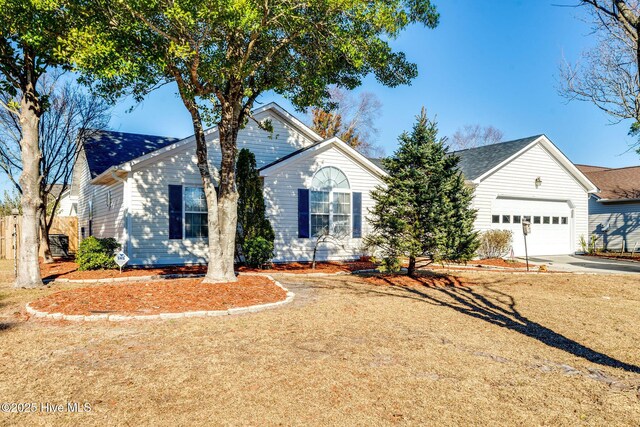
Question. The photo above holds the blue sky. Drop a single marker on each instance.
(488, 62)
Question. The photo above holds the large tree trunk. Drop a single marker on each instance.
(228, 198)
(28, 266)
(220, 265)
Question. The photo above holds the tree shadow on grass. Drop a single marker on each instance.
(496, 307)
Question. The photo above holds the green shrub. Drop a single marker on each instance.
(96, 254)
(257, 251)
(495, 243)
(390, 264)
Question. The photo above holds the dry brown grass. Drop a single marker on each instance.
(347, 352)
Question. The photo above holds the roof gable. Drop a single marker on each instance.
(475, 162)
(107, 148)
(310, 150)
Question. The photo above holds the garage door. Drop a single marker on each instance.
(551, 228)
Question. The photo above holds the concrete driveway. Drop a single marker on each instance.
(587, 264)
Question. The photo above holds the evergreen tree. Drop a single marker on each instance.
(424, 207)
(252, 219)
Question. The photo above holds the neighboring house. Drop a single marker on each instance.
(146, 191)
(67, 206)
(614, 212)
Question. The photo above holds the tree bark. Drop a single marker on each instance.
(28, 265)
(221, 244)
(228, 194)
(411, 270)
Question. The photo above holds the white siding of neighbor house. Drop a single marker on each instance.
(150, 180)
(623, 220)
(517, 179)
(281, 196)
(80, 187)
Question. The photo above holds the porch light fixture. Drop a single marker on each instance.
(538, 182)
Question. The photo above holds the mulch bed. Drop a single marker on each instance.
(321, 267)
(613, 255)
(423, 279)
(69, 270)
(166, 296)
(499, 262)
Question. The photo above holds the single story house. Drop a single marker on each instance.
(614, 212)
(146, 191)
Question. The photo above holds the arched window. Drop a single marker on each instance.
(330, 202)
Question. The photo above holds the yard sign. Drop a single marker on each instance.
(121, 259)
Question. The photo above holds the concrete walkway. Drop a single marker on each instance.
(587, 264)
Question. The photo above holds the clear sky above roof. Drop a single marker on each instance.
(492, 63)
(489, 62)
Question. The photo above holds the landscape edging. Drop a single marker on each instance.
(165, 316)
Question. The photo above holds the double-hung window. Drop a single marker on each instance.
(195, 213)
(330, 207)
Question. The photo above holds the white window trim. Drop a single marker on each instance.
(331, 193)
(184, 214)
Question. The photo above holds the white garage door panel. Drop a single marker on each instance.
(552, 238)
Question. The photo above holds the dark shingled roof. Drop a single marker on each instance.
(476, 161)
(614, 184)
(106, 148)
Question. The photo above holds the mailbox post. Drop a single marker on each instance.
(526, 229)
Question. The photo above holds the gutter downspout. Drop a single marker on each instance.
(127, 206)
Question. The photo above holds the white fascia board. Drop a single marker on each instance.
(272, 107)
(334, 141)
(291, 119)
(499, 166)
(557, 155)
(568, 164)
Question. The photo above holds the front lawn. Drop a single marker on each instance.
(475, 349)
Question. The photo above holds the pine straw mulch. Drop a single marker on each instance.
(165, 296)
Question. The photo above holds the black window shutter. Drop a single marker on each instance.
(175, 212)
(357, 215)
(303, 213)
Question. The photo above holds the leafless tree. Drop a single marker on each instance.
(471, 136)
(71, 115)
(607, 75)
(353, 119)
(329, 236)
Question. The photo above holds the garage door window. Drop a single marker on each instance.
(536, 220)
(555, 220)
(546, 220)
(495, 219)
(564, 220)
(516, 219)
(506, 219)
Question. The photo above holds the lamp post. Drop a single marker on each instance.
(14, 213)
(526, 229)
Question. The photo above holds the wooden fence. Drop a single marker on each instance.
(67, 225)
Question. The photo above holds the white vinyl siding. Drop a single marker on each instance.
(281, 195)
(150, 242)
(516, 180)
(108, 219)
(622, 219)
